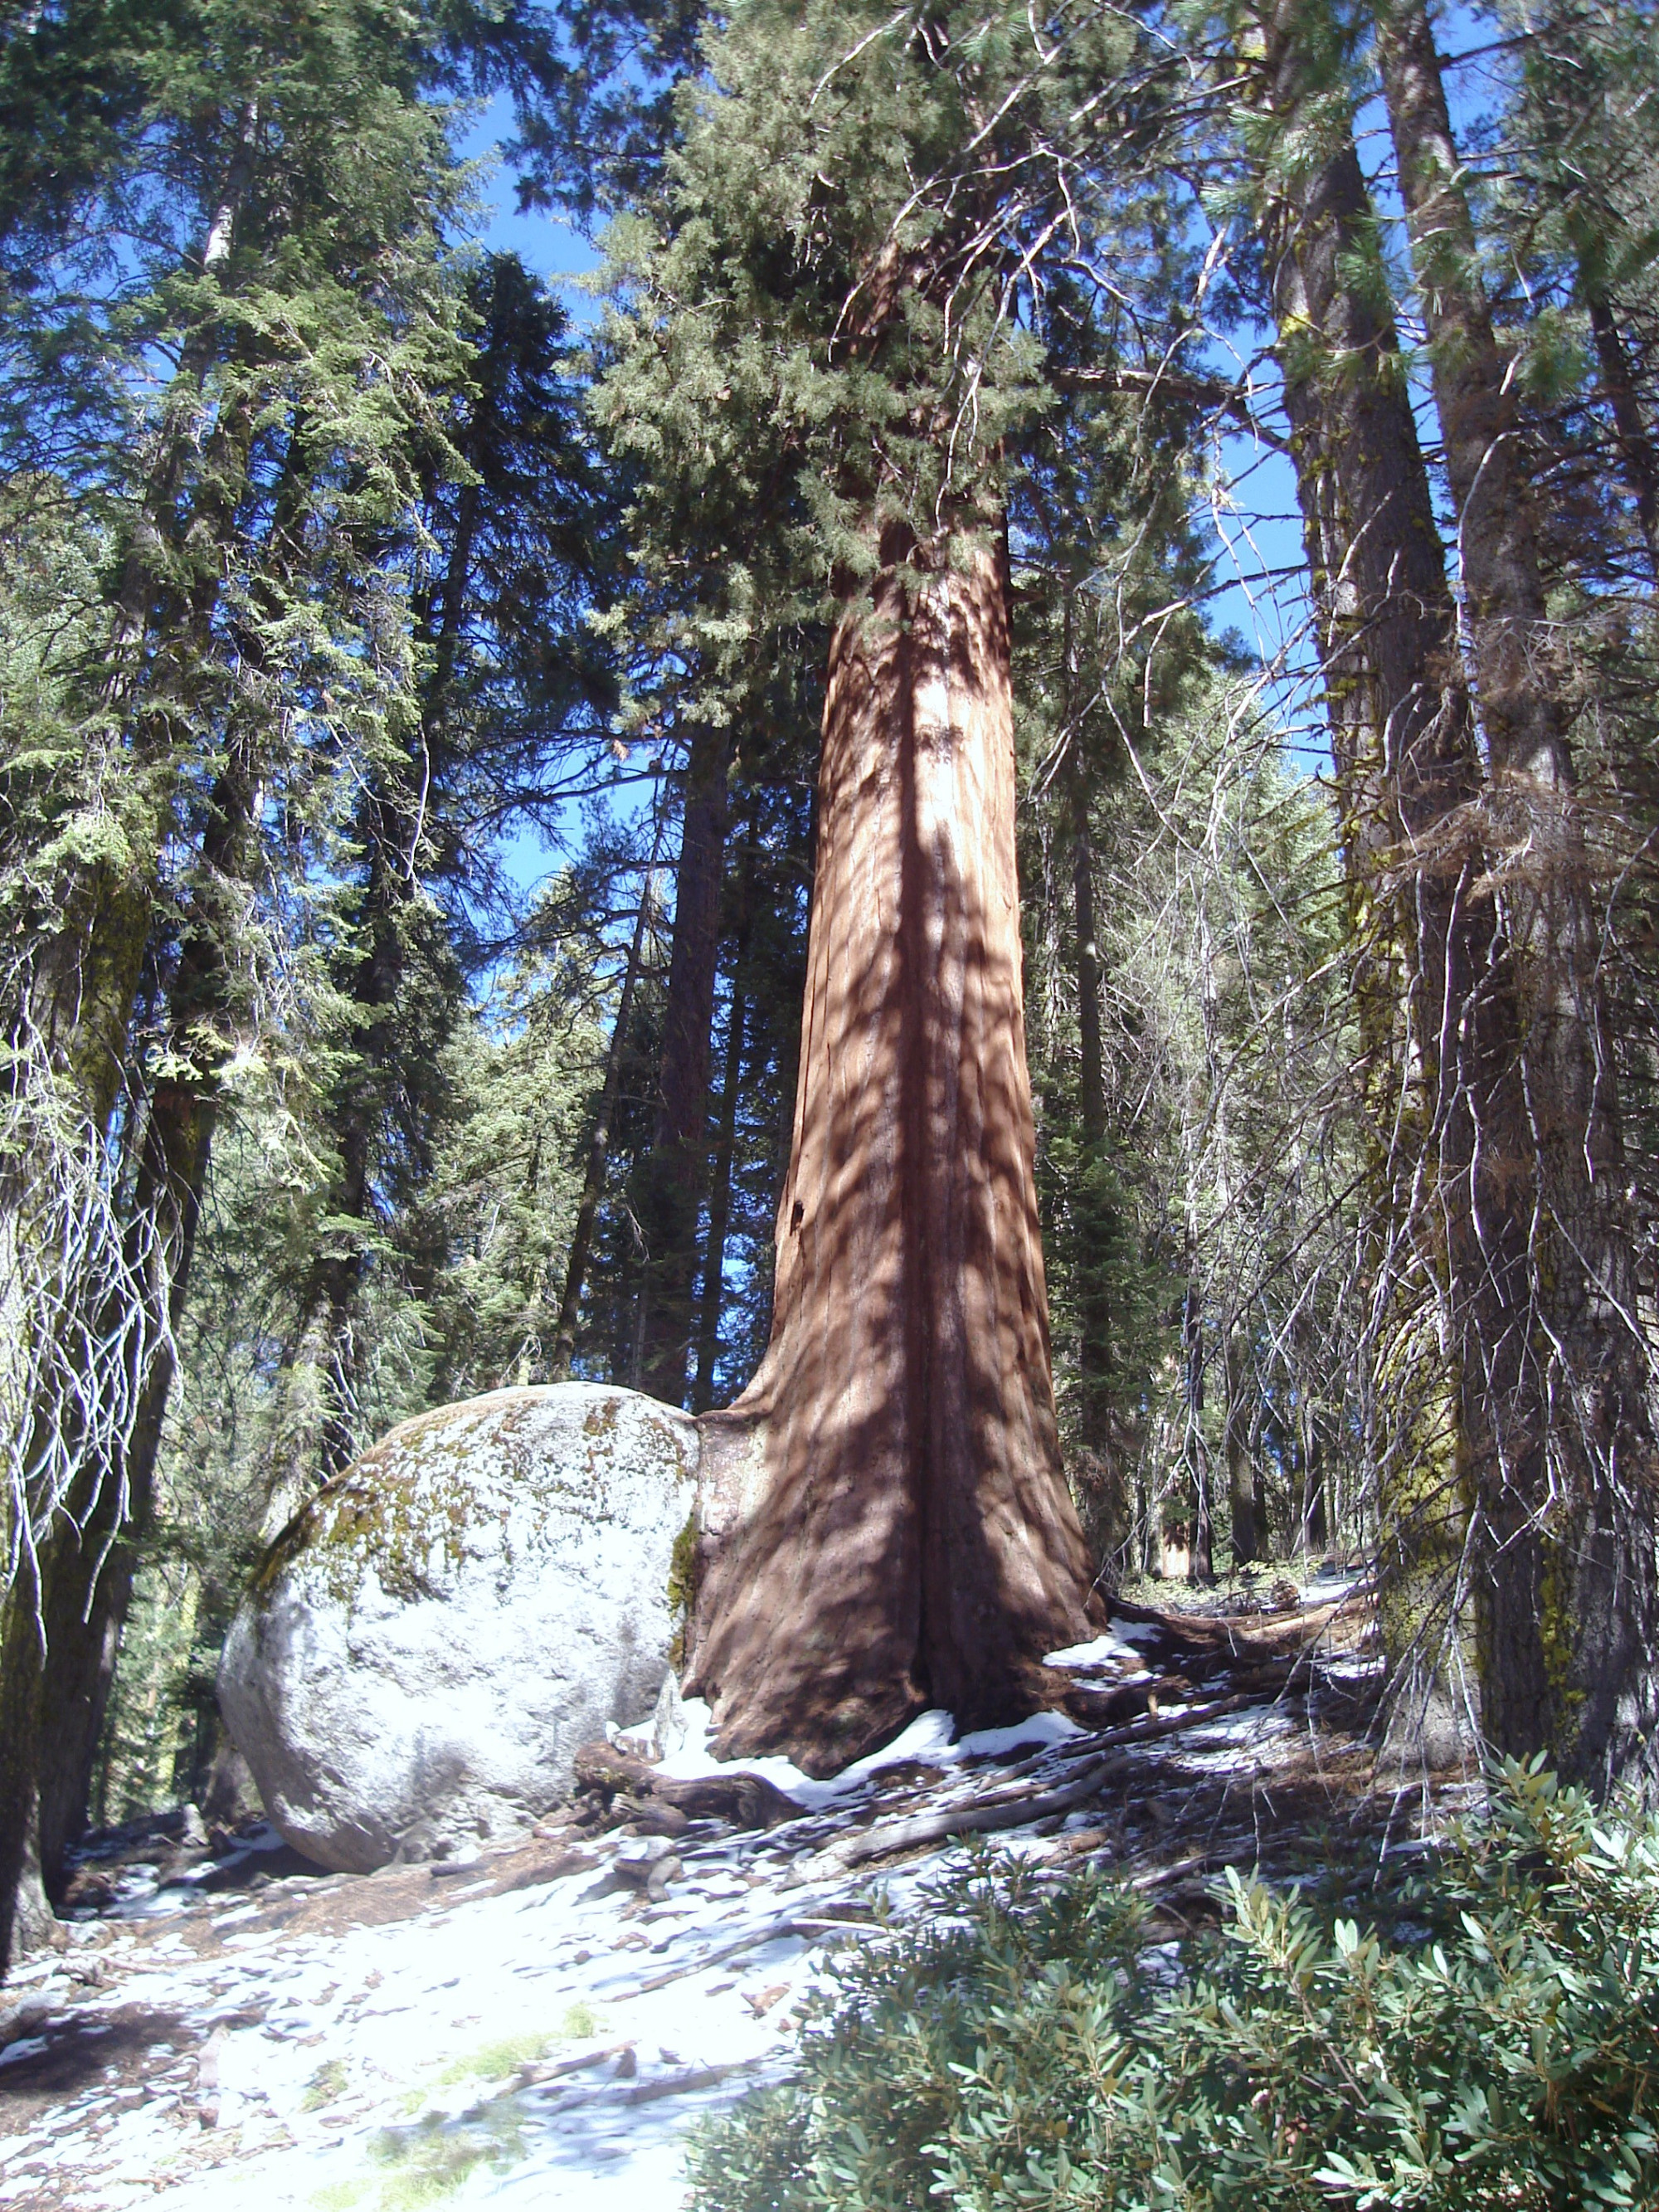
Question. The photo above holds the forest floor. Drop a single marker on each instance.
(533, 2028)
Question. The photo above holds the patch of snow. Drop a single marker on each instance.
(928, 1738)
(694, 1760)
(1136, 1631)
(1041, 1728)
(931, 1738)
(1329, 1588)
(1100, 1653)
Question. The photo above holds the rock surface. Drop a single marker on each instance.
(426, 1645)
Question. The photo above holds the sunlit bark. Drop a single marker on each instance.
(886, 1526)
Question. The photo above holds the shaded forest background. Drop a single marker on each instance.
(409, 715)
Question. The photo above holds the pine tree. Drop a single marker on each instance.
(285, 195)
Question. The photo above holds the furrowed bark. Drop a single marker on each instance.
(1568, 1563)
(884, 1522)
(1434, 1014)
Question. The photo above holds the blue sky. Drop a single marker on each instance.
(551, 248)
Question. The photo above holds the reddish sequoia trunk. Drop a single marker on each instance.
(885, 1522)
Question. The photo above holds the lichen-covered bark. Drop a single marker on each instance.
(885, 1524)
(1567, 1558)
(1434, 1012)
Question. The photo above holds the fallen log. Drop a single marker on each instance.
(1150, 1729)
(1216, 1636)
(983, 1816)
(553, 1869)
(1011, 1809)
(746, 1799)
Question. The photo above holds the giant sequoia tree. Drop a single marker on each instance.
(887, 1525)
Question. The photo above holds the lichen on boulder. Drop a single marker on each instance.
(425, 1644)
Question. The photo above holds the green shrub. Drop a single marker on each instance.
(1491, 2040)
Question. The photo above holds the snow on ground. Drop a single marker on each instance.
(522, 2031)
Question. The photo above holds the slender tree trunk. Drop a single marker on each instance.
(1635, 448)
(315, 1428)
(26, 1918)
(1096, 1303)
(598, 1147)
(885, 1525)
(676, 1167)
(1106, 1509)
(1314, 1515)
(1261, 1522)
(1200, 1565)
(380, 1057)
(725, 1136)
(62, 1634)
(89, 1580)
(1091, 1097)
(1240, 1472)
(88, 1584)
(1566, 1596)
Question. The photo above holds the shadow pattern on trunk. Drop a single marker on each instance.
(885, 1522)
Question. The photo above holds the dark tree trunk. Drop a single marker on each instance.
(1106, 1503)
(87, 1585)
(60, 1631)
(362, 1107)
(1567, 1563)
(1200, 1565)
(1435, 1014)
(1315, 1515)
(885, 1524)
(726, 1137)
(1636, 450)
(598, 1144)
(1242, 1483)
(26, 1919)
(676, 1168)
